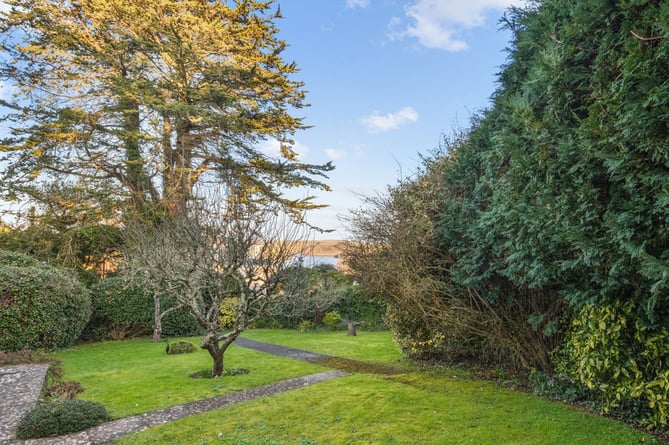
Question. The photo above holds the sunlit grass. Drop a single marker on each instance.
(412, 407)
(377, 347)
(406, 409)
(136, 376)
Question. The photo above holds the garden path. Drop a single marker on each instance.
(19, 393)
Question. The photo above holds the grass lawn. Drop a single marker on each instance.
(136, 376)
(408, 408)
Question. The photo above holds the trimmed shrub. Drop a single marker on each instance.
(56, 418)
(8, 258)
(121, 311)
(180, 347)
(41, 307)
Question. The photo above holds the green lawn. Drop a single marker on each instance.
(136, 376)
(408, 408)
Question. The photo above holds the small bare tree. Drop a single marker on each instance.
(212, 252)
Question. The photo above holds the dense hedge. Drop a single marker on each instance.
(41, 307)
(544, 228)
(121, 311)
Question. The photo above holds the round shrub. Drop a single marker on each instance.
(332, 320)
(8, 258)
(41, 307)
(180, 347)
(53, 419)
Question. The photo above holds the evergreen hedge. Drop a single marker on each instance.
(41, 307)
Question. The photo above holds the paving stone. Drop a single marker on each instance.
(20, 387)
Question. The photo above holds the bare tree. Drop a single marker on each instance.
(212, 252)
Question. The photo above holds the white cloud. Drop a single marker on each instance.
(380, 123)
(4, 7)
(335, 154)
(357, 3)
(440, 24)
(272, 148)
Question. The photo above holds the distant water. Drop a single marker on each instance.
(315, 260)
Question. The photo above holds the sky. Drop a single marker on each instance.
(386, 80)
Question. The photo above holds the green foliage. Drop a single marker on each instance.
(563, 388)
(611, 352)
(307, 294)
(180, 347)
(306, 325)
(332, 320)
(8, 258)
(67, 241)
(228, 312)
(178, 323)
(56, 418)
(121, 310)
(41, 307)
(366, 311)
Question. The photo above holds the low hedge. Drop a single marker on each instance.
(62, 417)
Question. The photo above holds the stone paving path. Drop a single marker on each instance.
(20, 387)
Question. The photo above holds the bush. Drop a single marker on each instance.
(121, 311)
(56, 418)
(8, 258)
(180, 347)
(306, 325)
(228, 312)
(332, 320)
(41, 307)
(611, 351)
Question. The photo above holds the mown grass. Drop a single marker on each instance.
(136, 376)
(375, 347)
(412, 407)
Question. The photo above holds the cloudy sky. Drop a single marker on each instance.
(386, 79)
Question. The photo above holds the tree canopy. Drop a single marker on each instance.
(141, 101)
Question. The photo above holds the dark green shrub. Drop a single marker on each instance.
(8, 258)
(562, 388)
(41, 307)
(180, 347)
(179, 323)
(121, 311)
(56, 418)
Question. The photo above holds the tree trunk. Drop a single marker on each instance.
(217, 355)
(157, 319)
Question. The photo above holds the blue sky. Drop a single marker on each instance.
(386, 79)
